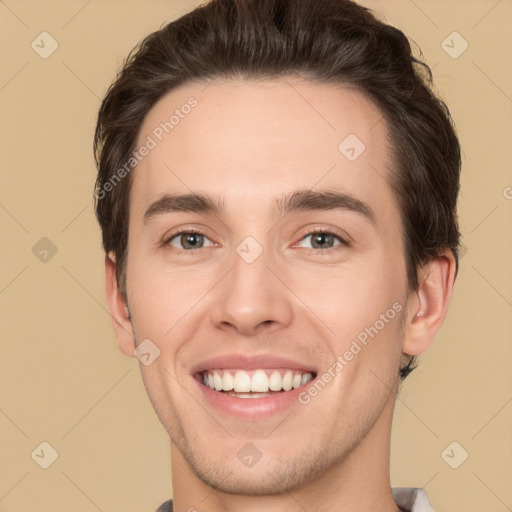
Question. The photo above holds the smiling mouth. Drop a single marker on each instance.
(254, 383)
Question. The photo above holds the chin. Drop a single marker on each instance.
(250, 482)
(269, 476)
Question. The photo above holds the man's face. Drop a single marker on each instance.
(286, 287)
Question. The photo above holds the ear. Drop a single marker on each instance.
(428, 305)
(118, 309)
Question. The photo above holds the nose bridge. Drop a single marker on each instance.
(251, 295)
(250, 267)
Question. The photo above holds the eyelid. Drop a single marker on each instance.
(340, 235)
(343, 237)
(194, 231)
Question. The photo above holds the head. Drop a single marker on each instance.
(255, 115)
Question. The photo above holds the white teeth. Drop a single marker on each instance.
(275, 382)
(248, 395)
(242, 382)
(228, 383)
(256, 385)
(217, 381)
(288, 381)
(306, 378)
(259, 381)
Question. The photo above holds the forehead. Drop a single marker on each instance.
(258, 139)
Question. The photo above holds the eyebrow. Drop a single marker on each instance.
(193, 202)
(324, 200)
(301, 200)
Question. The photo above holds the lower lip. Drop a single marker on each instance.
(249, 408)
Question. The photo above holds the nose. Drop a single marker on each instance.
(252, 299)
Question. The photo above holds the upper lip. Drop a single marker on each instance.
(250, 362)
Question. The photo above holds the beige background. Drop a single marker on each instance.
(62, 378)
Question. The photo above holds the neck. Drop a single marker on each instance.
(357, 483)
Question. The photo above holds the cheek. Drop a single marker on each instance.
(162, 297)
(361, 305)
(352, 295)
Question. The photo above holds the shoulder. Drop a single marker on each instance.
(165, 507)
(412, 499)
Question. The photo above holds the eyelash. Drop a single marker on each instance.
(167, 241)
(323, 231)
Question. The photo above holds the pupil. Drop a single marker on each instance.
(321, 239)
(190, 240)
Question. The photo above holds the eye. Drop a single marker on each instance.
(324, 239)
(188, 240)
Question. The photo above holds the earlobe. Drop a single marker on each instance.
(429, 304)
(118, 309)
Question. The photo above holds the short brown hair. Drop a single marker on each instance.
(329, 41)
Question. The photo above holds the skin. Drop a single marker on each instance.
(249, 143)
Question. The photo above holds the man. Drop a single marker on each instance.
(277, 194)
